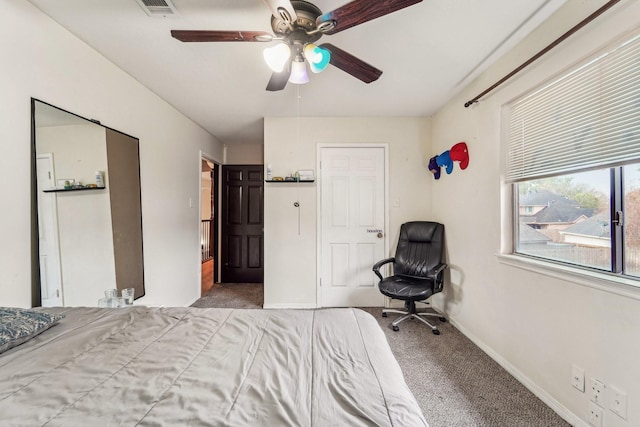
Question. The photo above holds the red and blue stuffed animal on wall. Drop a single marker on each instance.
(458, 153)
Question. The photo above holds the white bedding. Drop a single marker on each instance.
(206, 367)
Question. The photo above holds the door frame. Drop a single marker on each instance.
(216, 244)
(319, 148)
(215, 206)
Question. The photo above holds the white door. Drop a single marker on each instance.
(50, 277)
(352, 209)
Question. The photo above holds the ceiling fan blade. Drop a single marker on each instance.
(352, 65)
(221, 36)
(278, 81)
(360, 11)
(282, 9)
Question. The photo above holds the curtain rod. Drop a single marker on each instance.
(560, 39)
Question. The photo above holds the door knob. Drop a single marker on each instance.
(380, 235)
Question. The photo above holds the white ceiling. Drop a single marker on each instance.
(427, 52)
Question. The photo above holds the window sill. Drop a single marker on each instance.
(606, 282)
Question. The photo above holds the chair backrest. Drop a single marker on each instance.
(420, 248)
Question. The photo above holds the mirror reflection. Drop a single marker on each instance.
(88, 209)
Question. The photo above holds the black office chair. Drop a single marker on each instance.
(418, 269)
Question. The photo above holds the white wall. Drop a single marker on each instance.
(290, 258)
(42, 60)
(244, 154)
(534, 324)
(79, 150)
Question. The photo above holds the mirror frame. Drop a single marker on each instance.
(36, 294)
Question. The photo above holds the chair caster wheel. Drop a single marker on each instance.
(442, 319)
(435, 331)
(395, 328)
(384, 314)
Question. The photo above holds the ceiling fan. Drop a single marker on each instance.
(298, 24)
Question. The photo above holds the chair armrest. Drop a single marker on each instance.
(437, 269)
(377, 265)
(436, 274)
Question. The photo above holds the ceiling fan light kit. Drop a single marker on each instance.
(299, 24)
(299, 73)
(318, 57)
(277, 56)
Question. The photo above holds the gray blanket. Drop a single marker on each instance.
(206, 367)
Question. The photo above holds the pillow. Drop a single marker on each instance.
(18, 325)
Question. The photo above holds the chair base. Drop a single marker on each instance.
(412, 313)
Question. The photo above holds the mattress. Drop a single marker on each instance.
(206, 367)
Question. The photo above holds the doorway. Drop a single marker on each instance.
(353, 222)
(208, 224)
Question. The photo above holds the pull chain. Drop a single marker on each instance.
(297, 202)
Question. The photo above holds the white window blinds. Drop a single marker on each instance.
(588, 118)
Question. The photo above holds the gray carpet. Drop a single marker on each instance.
(454, 382)
(232, 295)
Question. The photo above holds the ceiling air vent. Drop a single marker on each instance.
(157, 8)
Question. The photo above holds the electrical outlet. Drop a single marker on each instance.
(577, 377)
(618, 404)
(595, 415)
(596, 391)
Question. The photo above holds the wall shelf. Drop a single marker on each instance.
(289, 182)
(61, 190)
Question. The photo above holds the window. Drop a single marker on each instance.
(573, 158)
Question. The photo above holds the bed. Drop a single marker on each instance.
(206, 367)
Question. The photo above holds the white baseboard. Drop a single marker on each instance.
(557, 407)
(295, 306)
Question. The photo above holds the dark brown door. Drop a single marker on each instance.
(242, 222)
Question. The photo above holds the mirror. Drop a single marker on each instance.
(87, 209)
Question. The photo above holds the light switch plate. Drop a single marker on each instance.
(577, 377)
(618, 404)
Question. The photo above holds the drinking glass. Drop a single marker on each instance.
(118, 302)
(128, 294)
